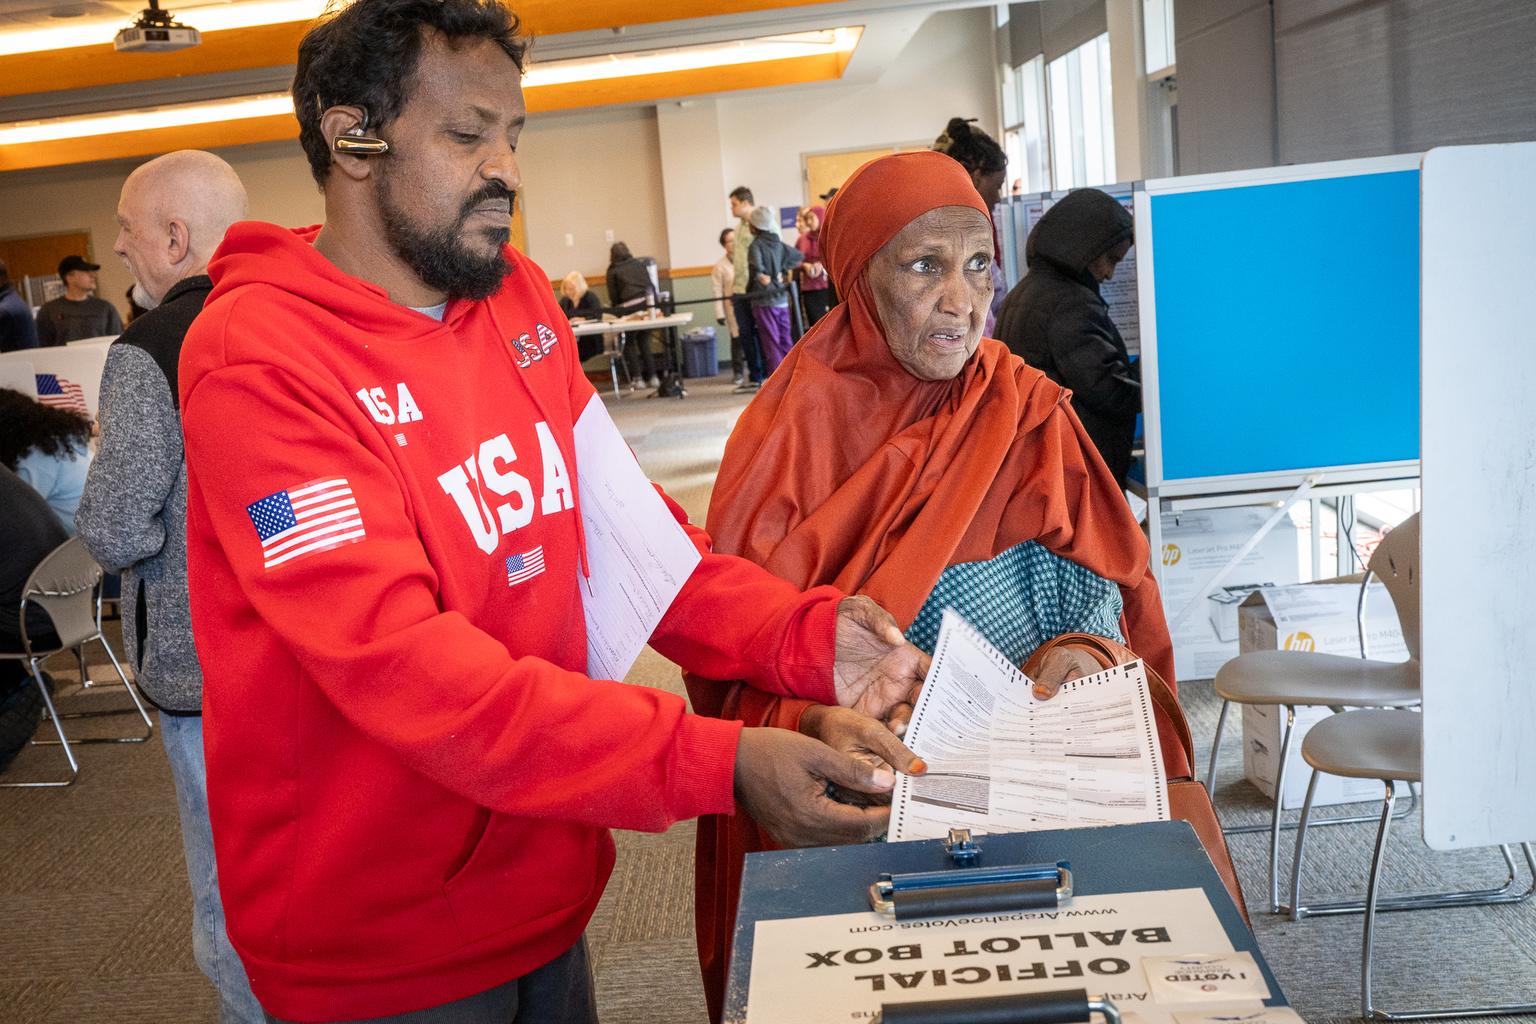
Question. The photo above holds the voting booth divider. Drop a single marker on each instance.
(74, 368)
(1254, 330)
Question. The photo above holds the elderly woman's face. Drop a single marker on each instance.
(932, 285)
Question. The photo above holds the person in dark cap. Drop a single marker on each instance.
(1057, 321)
(77, 313)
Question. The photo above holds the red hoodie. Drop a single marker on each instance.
(410, 776)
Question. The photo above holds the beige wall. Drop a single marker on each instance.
(586, 173)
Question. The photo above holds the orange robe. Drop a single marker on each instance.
(847, 470)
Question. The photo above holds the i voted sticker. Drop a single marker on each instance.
(1207, 978)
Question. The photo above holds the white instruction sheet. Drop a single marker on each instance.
(999, 760)
(638, 554)
(843, 967)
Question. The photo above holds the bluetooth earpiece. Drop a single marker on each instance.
(356, 141)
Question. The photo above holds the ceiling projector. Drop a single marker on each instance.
(155, 31)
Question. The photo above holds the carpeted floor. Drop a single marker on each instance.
(95, 915)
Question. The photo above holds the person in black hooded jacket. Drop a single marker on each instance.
(1057, 321)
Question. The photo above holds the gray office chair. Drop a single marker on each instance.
(1387, 746)
(1292, 679)
(67, 585)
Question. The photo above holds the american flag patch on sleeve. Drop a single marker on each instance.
(302, 520)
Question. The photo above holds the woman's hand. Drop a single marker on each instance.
(864, 739)
(1060, 665)
(764, 279)
(874, 667)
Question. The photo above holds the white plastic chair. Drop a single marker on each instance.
(1292, 679)
(67, 585)
(1387, 746)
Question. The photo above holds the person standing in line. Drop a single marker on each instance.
(411, 771)
(723, 277)
(769, 262)
(630, 290)
(17, 328)
(1058, 322)
(815, 284)
(78, 313)
(173, 212)
(741, 242)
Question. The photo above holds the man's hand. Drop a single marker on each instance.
(782, 778)
(863, 739)
(875, 668)
(1060, 665)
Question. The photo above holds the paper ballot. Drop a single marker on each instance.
(1000, 760)
(638, 555)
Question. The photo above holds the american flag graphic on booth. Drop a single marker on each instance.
(61, 393)
(314, 516)
(525, 566)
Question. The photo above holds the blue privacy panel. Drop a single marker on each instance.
(1288, 325)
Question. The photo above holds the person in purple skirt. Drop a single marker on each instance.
(769, 262)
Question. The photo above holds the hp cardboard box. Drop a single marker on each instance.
(1195, 545)
(1318, 617)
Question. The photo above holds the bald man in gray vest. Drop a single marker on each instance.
(173, 213)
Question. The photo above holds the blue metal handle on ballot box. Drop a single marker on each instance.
(969, 889)
(1068, 1006)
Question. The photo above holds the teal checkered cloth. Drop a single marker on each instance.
(1020, 599)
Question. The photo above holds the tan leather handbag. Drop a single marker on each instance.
(1188, 800)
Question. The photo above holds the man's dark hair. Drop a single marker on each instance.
(973, 148)
(724, 233)
(366, 55)
(26, 423)
(618, 253)
(743, 193)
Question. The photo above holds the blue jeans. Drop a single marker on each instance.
(560, 992)
(183, 738)
(750, 344)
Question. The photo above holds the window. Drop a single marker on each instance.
(1157, 29)
(1024, 123)
(1082, 125)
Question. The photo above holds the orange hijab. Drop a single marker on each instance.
(847, 470)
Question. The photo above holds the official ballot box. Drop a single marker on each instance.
(1134, 914)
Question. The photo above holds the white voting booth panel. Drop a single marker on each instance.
(1478, 542)
(18, 375)
(80, 364)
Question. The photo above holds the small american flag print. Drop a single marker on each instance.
(400, 440)
(303, 520)
(525, 566)
(61, 393)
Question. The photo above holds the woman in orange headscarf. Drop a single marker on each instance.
(898, 454)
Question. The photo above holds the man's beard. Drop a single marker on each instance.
(142, 298)
(439, 256)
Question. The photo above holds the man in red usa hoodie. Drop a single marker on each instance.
(410, 776)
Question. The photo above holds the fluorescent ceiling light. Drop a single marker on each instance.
(744, 51)
(176, 116)
(689, 58)
(210, 18)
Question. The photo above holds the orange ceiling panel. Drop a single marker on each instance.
(634, 89)
(274, 45)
